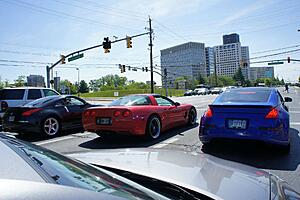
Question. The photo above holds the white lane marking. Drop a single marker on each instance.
(165, 143)
(295, 123)
(53, 140)
(296, 112)
(60, 138)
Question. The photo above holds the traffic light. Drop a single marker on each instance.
(289, 59)
(62, 59)
(143, 69)
(146, 68)
(123, 67)
(128, 42)
(106, 45)
(165, 71)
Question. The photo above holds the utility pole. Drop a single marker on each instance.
(166, 80)
(151, 56)
(78, 86)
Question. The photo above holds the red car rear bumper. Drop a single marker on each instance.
(118, 126)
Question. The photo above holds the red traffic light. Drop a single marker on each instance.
(289, 59)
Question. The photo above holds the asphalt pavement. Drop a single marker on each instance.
(286, 166)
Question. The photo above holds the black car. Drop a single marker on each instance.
(48, 115)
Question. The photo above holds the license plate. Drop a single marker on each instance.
(103, 121)
(237, 124)
(11, 118)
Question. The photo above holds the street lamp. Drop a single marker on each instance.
(78, 82)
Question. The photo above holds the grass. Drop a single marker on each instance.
(110, 93)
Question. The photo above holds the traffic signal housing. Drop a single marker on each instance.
(62, 59)
(106, 45)
(128, 42)
(289, 59)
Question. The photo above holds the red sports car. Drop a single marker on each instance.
(143, 114)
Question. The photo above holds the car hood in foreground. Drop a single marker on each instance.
(199, 172)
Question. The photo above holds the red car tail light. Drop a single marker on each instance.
(126, 113)
(117, 113)
(273, 114)
(4, 106)
(30, 112)
(90, 113)
(208, 113)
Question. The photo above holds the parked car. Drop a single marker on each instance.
(216, 90)
(201, 91)
(188, 93)
(249, 114)
(47, 116)
(143, 115)
(14, 97)
(34, 172)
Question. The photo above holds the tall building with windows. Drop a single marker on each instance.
(231, 55)
(35, 81)
(231, 38)
(186, 59)
(261, 72)
(210, 60)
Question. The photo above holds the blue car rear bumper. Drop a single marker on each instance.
(277, 136)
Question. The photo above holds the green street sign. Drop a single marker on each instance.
(275, 63)
(75, 57)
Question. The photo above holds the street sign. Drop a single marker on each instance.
(276, 63)
(75, 57)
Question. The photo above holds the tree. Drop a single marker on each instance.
(299, 79)
(239, 77)
(68, 87)
(83, 87)
(20, 81)
(201, 79)
(268, 82)
(282, 81)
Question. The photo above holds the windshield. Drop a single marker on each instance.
(134, 100)
(65, 171)
(245, 96)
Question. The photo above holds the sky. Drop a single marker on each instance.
(35, 32)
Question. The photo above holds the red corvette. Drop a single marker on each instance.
(143, 114)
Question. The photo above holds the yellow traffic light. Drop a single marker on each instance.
(128, 42)
(62, 59)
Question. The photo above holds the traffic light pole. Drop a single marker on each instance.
(48, 69)
(151, 56)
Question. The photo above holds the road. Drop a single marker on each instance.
(286, 166)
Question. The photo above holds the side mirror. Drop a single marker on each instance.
(177, 104)
(288, 99)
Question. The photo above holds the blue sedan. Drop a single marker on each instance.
(248, 113)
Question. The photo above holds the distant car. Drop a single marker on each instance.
(47, 116)
(14, 97)
(216, 90)
(250, 114)
(141, 115)
(201, 91)
(188, 93)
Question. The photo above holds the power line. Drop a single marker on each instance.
(61, 14)
(278, 49)
(171, 31)
(275, 54)
(97, 11)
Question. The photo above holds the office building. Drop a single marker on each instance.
(187, 59)
(230, 56)
(35, 81)
(261, 72)
(210, 60)
(231, 38)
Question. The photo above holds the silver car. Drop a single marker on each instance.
(32, 172)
